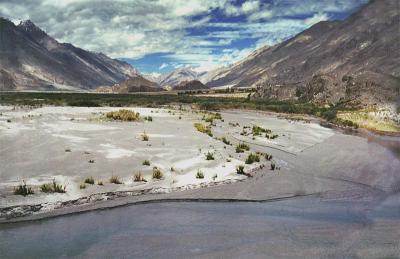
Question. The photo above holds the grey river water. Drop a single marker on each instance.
(296, 228)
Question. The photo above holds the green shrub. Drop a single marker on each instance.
(240, 169)
(241, 147)
(146, 162)
(89, 180)
(23, 190)
(123, 115)
(199, 174)
(252, 158)
(257, 130)
(53, 187)
(203, 129)
(115, 179)
(157, 174)
(209, 156)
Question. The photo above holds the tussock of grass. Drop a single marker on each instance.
(273, 166)
(148, 118)
(100, 183)
(241, 147)
(203, 129)
(89, 180)
(82, 186)
(123, 115)
(115, 179)
(252, 158)
(209, 156)
(258, 131)
(225, 141)
(53, 187)
(157, 174)
(23, 190)
(199, 174)
(145, 137)
(139, 178)
(240, 169)
(146, 162)
(268, 156)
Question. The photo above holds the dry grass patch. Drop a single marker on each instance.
(123, 115)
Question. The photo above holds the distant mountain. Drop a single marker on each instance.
(179, 75)
(190, 85)
(32, 60)
(355, 60)
(136, 83)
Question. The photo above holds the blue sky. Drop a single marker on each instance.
(161, 35)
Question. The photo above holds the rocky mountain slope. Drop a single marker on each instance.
(135, 83)
(179, 75)
(32, 60)
(190, 85)
(355, 60)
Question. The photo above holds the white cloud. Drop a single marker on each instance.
(163, 65)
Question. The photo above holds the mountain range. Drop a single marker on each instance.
(32, 60)
(356, 60)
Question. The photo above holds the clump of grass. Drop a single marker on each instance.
(252, 158)
(67, 150)
(146, 162)
(199, 174)
(241, 147)
(145, 137)
(89, 180)
(157, 174)
(227, 142)
(257, 130)
(273, 166)
(53, 187)
(271, 136)
(203, 129)
(240, 169)
(23, 190)
(139, 178)
(123, 115)
(115, 179)
(91, 161)
(148, 118)
(100, 183)
(82, 186)
(268, 156)
(172, 169)
(209, 156)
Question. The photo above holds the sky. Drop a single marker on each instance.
(157, 36)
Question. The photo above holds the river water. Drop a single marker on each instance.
(296, 228)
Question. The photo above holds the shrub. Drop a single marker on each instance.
(252, 158)
(100, 183)
(89, 180)
(227, 142)
(271, 136)
(23, 190)
(115, 179)
(240, 169)
(199, 174)
(241, 147)
(203, 129)
(157, 174)
(82, 186)
(123, 115)
(138, 178)
(257, 130)
(53, 187)
(268, 157)
(209, 156)
(146, 162)
(145, 137)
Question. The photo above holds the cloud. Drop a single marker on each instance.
(200, 33)
(163, 65)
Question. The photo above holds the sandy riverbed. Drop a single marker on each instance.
(312, 159)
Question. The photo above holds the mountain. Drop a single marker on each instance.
(355, 60)
(177, 76)
(32, 60)
(190, 85)
(135, 83)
